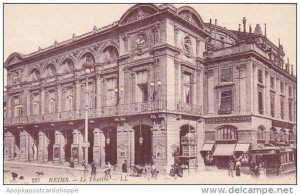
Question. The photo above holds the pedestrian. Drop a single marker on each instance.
(147, 171)
(230, 168)
(107, 170)
(238, 168)
(85, 168)
(154, 171)
(94, 168)
(124, 170)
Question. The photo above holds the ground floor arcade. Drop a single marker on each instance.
(139, 139)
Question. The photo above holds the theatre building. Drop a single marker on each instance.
(140, 80)
(155, 85)
(249, 101)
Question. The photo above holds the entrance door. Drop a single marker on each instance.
(143, 145)
(51, 138)
(69, 141)
(110, 135)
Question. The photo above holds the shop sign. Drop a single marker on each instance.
(229, 119)
(281, 124)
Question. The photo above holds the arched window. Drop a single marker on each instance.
(50, 70)
(227, 133)
(68, 65)
(261, 133)
(109, 54)
(87, 60)
(34, 75)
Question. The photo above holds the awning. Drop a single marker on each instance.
(207, 147)
(242, 148)
(224, 150)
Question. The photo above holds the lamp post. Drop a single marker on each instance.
(87, 68)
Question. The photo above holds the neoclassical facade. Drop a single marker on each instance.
(160, 84)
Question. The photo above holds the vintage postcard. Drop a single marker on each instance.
(149, 94)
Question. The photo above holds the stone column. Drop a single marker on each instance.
(9, 146)
(172, 140)
(98, 147)
(122, 145)
(77, 95)
(59, 98)
(43, 147)
(59, 147)
(76, 147)
(200, 125)
(98, 92)
(43, 101)
(26, 146)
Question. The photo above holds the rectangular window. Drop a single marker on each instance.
(110, 91)
(260, 76)
(282, 108)
(187, 80)
(272, 85)
(272, 105)
(142, 86)
(35, 104)
(290, 110)
(281, 87)
(17, 107)
(290, 91)
(226, 102)
(260, 102)
(226, 75)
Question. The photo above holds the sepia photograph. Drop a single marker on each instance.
(149, 94)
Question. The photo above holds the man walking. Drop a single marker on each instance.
(230, 168)
(124, 171)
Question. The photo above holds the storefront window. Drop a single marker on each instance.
(226, 133)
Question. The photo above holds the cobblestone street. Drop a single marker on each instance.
(59, 174)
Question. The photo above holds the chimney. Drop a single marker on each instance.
(278, 42)
(216, 22)
(250, 28)
(244, 24)
(292, 72)
(210, 21)
(265, 30)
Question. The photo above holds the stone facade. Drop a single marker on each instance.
(152, 91)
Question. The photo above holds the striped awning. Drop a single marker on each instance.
(224, 150)
(207, 147)
(242, 148)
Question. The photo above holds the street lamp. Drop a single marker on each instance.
(141, 139)
(88, 65)
(108, 138)
(152, 84)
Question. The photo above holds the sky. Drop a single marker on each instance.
(30, 26)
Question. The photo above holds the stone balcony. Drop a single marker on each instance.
(106, 111)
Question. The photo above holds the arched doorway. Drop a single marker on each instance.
(142, 144)
(68, 147)
(51, 138)
(110, 134)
